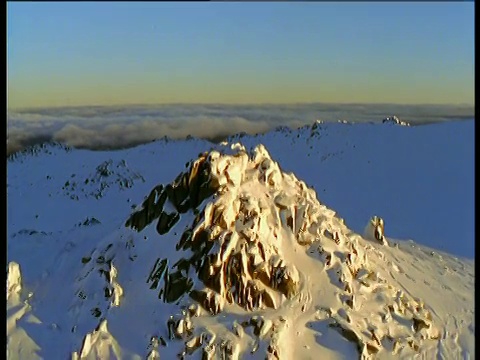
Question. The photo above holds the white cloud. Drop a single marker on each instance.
(116, 126)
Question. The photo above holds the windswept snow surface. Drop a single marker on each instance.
(247, 249)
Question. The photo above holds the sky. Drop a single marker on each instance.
(121, 53)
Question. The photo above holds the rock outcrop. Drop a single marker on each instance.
(393, 120)
(14, 279)
(248, 219)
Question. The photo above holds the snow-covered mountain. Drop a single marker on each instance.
(252, 248)
(394, 121)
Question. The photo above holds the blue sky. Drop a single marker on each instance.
(81, 53)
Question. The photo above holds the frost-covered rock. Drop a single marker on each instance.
(99, 344)
(393, 120)
(14, 279)
(375, 230)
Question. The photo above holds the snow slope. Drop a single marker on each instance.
(244, 256)
(410, 176)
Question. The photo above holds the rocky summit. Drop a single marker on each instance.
(235, 235)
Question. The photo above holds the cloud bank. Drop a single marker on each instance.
(114, 127)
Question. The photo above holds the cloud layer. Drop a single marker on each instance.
(113, 127)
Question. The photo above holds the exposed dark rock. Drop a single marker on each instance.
(185, 240)
(90, 221)
(96, 312)
(166, 222)
(152, 208)
(178, 193)
(157, 273)
(207, 301)
(419, 324)
(186, 192)
(176, 286)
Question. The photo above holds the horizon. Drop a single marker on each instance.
(142, 54)
(287, 104)
(98, 127)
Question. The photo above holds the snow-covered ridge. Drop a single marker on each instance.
(393, 120)
(107, 175)
(48, 147)
(256, 238)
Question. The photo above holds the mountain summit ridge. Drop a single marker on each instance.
(234, 257)
(257, 237)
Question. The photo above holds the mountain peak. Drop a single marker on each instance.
(253, 236)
